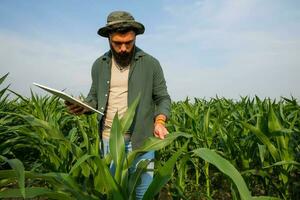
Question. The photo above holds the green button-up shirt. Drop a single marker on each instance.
(145, 77)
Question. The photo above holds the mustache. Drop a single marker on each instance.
(123, 59)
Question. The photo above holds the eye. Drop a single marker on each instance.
(117, 43)
(129, 42)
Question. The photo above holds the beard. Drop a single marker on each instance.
(122, 59)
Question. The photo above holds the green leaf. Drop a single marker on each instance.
(105, 178)
(257, 172)
(227, 168)
(25, 99)
(117, 147)
(3, 78)
(128, 117)
(85, 142)
(280, 163)
(264, 139)
(18, 166)
(136, 176)
(182, 168)
(61, 182)
(154, 144)
(274, 124)
(85, 169)
(35, 122)
(265, 198)
(2, 93)
(63, 178)
(262, 152)
(206, 121)
(35, 192)
(188, 110)
(9, 173)
(80, 161)
(163, 175)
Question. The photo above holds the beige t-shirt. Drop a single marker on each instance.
(117, 99)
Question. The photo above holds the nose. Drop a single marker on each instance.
(123, 48)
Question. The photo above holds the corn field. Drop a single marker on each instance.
(260, 138)
(217, 149)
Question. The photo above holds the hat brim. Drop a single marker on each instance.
(138, 28)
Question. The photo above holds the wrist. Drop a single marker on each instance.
(160, 119)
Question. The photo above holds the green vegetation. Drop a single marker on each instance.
(217, 149)
(260, 138)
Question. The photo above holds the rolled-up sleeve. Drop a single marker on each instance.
(161, 96)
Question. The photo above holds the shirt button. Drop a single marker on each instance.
(106, 95)
(102, 108)
(107, 82)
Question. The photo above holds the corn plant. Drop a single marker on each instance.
(275, 139)
(258, 137)
(216, 149)
(76, 168)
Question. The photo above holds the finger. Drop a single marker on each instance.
(67, 103)
(72, 106)
(157, 134)
(160, 134)
(77, 110)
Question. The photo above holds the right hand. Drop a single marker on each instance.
(75, 108)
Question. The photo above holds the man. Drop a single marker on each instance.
(118, 77)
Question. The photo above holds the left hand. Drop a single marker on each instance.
(160, 131)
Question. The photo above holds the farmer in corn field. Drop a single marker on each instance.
(118, 77)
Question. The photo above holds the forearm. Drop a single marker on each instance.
(163, 106)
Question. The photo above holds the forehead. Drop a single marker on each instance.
(130, 35)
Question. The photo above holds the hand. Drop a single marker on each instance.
(160, 131)
(75, 108)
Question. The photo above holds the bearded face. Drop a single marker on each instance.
(123, 59)
(122, 46)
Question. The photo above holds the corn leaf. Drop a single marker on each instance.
(35, 192)
(105, 178)
(227, 168)
(3, 78)
(128, 117)
(290, 162)
(117, 147)
(274, 124)
(80, 161)
(264, 139)
(18, 167)
(265, 198)
(163, 175)
(136, 177)
(154, 144)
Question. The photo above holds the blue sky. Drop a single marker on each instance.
(228, 48)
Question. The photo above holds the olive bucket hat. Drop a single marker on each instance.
(119, 19)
